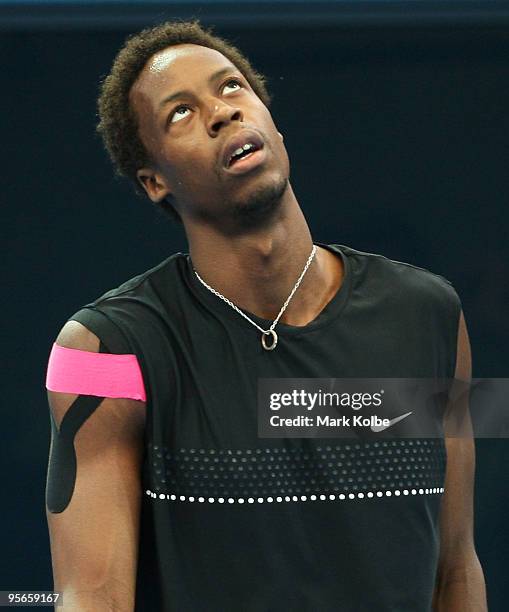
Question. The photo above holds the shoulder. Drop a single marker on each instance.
(133, 305)
(401, 280)
(140, 284)
(75, 335)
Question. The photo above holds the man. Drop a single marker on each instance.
(161, 495)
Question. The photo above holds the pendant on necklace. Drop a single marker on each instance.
(272, 346)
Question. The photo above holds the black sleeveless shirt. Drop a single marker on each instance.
(231, 521)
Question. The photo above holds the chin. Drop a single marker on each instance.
(261, 204)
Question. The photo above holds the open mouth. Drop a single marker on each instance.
(242, 153)
(241, 146)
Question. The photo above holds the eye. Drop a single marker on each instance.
(235, 81)
(176, 113)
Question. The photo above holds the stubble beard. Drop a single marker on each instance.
(260, 206)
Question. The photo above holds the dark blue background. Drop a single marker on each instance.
(397, 132)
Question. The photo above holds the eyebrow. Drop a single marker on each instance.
(180, 94)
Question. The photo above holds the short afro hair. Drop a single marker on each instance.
(118, 125)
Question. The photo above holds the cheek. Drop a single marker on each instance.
(191, 172)
(271, 132)
(268, 120)
(196, 166)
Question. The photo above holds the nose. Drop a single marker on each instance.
(221, 115)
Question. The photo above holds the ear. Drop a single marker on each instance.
(154, 184)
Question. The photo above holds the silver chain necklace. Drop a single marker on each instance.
(270, 331)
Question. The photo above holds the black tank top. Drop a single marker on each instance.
(231, 521)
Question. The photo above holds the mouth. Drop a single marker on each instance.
(242, 150)
(247, 163)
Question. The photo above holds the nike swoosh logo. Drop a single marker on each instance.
(377, 428)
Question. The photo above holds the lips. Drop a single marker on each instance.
(239, 140)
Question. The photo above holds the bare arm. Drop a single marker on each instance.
(94, 539)
(460, 585)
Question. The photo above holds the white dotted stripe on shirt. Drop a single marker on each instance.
(288, 498)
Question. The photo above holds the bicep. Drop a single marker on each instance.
(456, 515)
(93, 487)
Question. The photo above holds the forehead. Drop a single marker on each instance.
(175, 67)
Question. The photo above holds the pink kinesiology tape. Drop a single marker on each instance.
(87, 373)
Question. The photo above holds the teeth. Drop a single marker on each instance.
(246, 147)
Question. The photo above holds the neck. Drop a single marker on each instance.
(258, 270)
